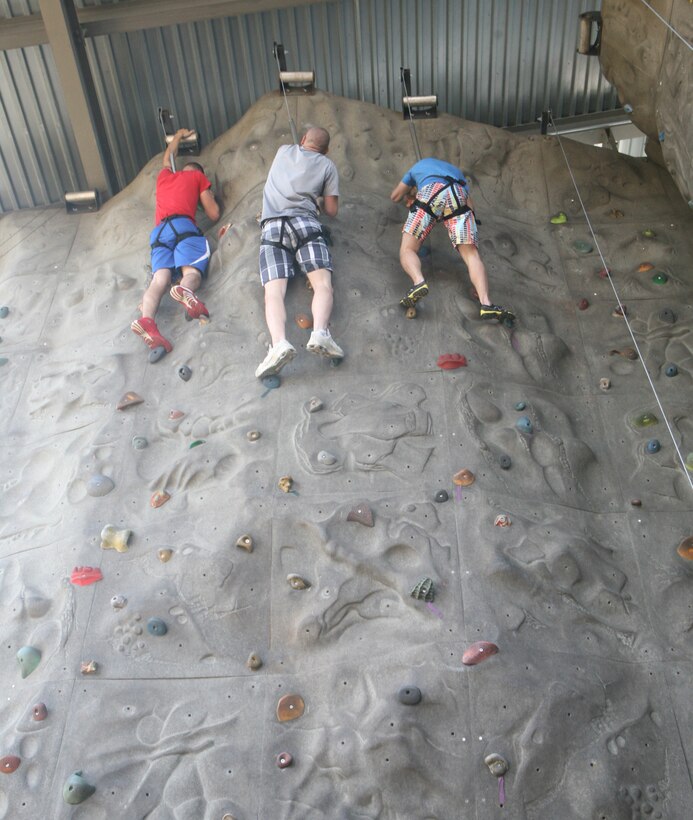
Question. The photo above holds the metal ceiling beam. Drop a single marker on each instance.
(135, 15)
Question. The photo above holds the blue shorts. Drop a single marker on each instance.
(171, 251)
(295, 253)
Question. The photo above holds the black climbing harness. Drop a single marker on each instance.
(168, 220)
(459, 209)
(300, 241)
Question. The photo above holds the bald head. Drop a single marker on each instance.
(316, 139)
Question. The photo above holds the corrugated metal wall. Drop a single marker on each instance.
(494, 61)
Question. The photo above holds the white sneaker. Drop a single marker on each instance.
(277, 356)
(321, 342)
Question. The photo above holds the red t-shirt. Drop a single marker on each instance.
(179, 193)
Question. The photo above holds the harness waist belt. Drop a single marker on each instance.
(458, 210)
(167, 220)
(315, 234)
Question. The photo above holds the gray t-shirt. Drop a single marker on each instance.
(295, 181)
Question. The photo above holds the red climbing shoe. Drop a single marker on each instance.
(147, 329)
(189, 301)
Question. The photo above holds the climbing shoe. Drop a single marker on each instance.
(277, 356)
(322, 343)
(491, 311)
(189, 301)
(147, 329)
(414, 294)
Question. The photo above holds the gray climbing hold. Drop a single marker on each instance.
(326, 458)
(3, 360)
(505, 462)
(4, 311)
(520, 405)
(423, 591)
(314, 405)
(441, 496)
(156, 353)
(155, 626)
(139, 442)
(409, 695)
(99, 485)
(667, 315)
(185, 372)
(76, 789)
(671, 370)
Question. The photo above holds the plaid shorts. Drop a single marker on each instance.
(461, 229)
(295, 255)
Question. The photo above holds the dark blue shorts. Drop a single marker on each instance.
(171, 251)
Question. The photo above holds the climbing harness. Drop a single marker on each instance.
(168, 220)
(459, 209)
(300, 241)
(621, 307)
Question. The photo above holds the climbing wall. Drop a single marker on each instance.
(473, 585)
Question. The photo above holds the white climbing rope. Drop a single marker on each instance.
(294, 133)
(622, 308)
(412, 129)
(670, 27)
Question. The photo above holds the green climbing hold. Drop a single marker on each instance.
(660, 278)
(29, 658)
(76, 789)
(196, 443)
(559, 219)
(645, 420)
(689, 462)
(648, 233)
(581, 246)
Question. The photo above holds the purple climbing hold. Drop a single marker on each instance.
(362, 515)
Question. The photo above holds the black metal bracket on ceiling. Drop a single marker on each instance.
(80, 202)
(189, 146)
(585, 43)
(417, 108)
(292, 81)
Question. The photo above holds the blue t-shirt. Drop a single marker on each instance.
(430, 170)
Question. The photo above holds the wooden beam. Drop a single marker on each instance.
(135, 15)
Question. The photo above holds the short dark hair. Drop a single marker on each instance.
(195, 165)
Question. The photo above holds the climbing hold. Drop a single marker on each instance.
(441, 496)
(645, 420)
(648, 233)
(156, 353)
(99, 485)
(4, 312)
(583, 304)
(628, 108)
(520, 405)
(156, 626)
(685, 548)
(290, 707)
(627, 353)
(284, 760)
(285, 483)
(604, 273)
(296, 582)
(29, 658)
(423, 591)
(451, 361)
(409, 695)
(271, 382)
(245, 542)
(3, 360)
(689, 462)
(76, 789)
(505, 462)
(619, 311)
(304, 321)
(118, 601)
(196, 443)
(671, 370)
(497, 764)
(361, 515)
(559, 219)
(660, 278)
(477, 652)
(88, 667)
(39, 711)
(635, 502)
(502, 520)
(328, 459)
(159, 498)
(604, 384)
(83, 576)
(314, 405)
(139, 442)
(424, 251)
(645, 267)
(184, 372)
(164, 554)
(463, 478)
(9, 764)
(524, 425)
(129, 400)
(581, 246)
(253, 661)
(653, 446)
(253, 435)
(667, 315)
(113, 539)
(411, 312)
(175, 415)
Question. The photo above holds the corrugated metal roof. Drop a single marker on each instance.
(495, 61)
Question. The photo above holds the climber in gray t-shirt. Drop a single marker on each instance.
(301, 181)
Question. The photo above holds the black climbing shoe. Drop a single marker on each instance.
(491, 311)
(414, 294)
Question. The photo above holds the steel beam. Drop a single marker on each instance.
(135, 15)
(72, 64)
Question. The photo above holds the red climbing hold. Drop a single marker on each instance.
(85, 575)
(451, 361)
(477, 652)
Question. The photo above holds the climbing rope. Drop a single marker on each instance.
(670, 27)
(412, 130)
(621, 306)
(294, 133)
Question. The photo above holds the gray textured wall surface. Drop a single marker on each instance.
(495, 61)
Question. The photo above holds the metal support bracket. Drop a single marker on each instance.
(417, 108)
(585, 43)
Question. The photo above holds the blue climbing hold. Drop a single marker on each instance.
(155, 626)
(524, 424)
(653, 446)
(671, 370)
(520, 405)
